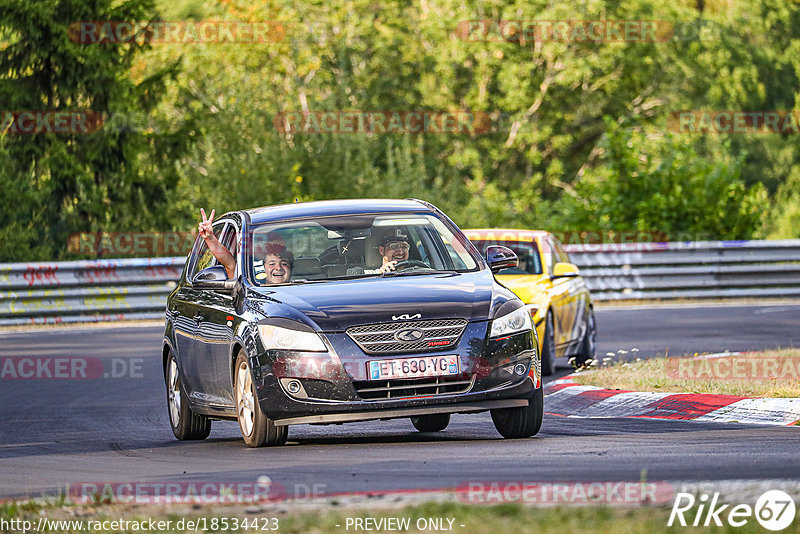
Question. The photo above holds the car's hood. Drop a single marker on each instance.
(526, 286)
(337, 305)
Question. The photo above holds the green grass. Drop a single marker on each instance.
(653, 375)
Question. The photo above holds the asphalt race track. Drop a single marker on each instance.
(107, 429)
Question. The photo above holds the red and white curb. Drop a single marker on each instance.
(567, 399)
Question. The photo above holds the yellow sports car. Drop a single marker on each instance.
(551, 288)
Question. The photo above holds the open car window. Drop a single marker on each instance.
(335, 248)
(204, 257)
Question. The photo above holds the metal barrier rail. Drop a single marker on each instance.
(708, 269)
(86, 291)
(107, 290)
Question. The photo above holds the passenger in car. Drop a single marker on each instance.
(276, 268)
(277, 265)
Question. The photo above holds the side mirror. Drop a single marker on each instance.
(500, 258)
(564, 270)
(214, 277)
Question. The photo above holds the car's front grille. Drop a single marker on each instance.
(439, 334)
(404, 388)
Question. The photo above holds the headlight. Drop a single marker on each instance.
(517, 321)
(277, 337)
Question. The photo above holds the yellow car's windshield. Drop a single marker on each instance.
(528, 253)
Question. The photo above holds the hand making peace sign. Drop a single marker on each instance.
(216, 248)
(205, 226)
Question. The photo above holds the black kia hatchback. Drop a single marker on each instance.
(340, 341)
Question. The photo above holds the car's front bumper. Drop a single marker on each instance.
(333, 383)
(372, 415)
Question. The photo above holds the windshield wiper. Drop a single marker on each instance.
(416, 273)
(293, 282)
(354, 276)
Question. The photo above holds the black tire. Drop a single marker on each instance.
(548, 347)
(185, 424)
(257, 429)
(588, 349)
(431, 423)
(514, 423)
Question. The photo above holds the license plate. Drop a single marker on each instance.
(413, 367)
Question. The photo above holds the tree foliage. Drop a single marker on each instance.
(578, 135)
(82, 179)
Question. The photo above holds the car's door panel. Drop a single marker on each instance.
(581, 299)
(572, 303)
(559, 297)
(213, 342)
(214, 335)
(185, 331)
(197, 369)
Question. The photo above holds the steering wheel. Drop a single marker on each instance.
(410, 264)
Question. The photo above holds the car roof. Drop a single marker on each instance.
(323, 208)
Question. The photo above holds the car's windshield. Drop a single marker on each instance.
(335, 248)
(528, 253)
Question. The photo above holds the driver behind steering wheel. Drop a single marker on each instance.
(393, 246)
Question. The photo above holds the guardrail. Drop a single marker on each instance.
(86, 291)
(691, 270)
(108, 290)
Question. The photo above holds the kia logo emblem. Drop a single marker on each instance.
(409, 334)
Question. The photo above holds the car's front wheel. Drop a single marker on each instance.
(588, 350)
(257, 429)
(431, 423)
(549, 347)
(185, 424)
(521, 422)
